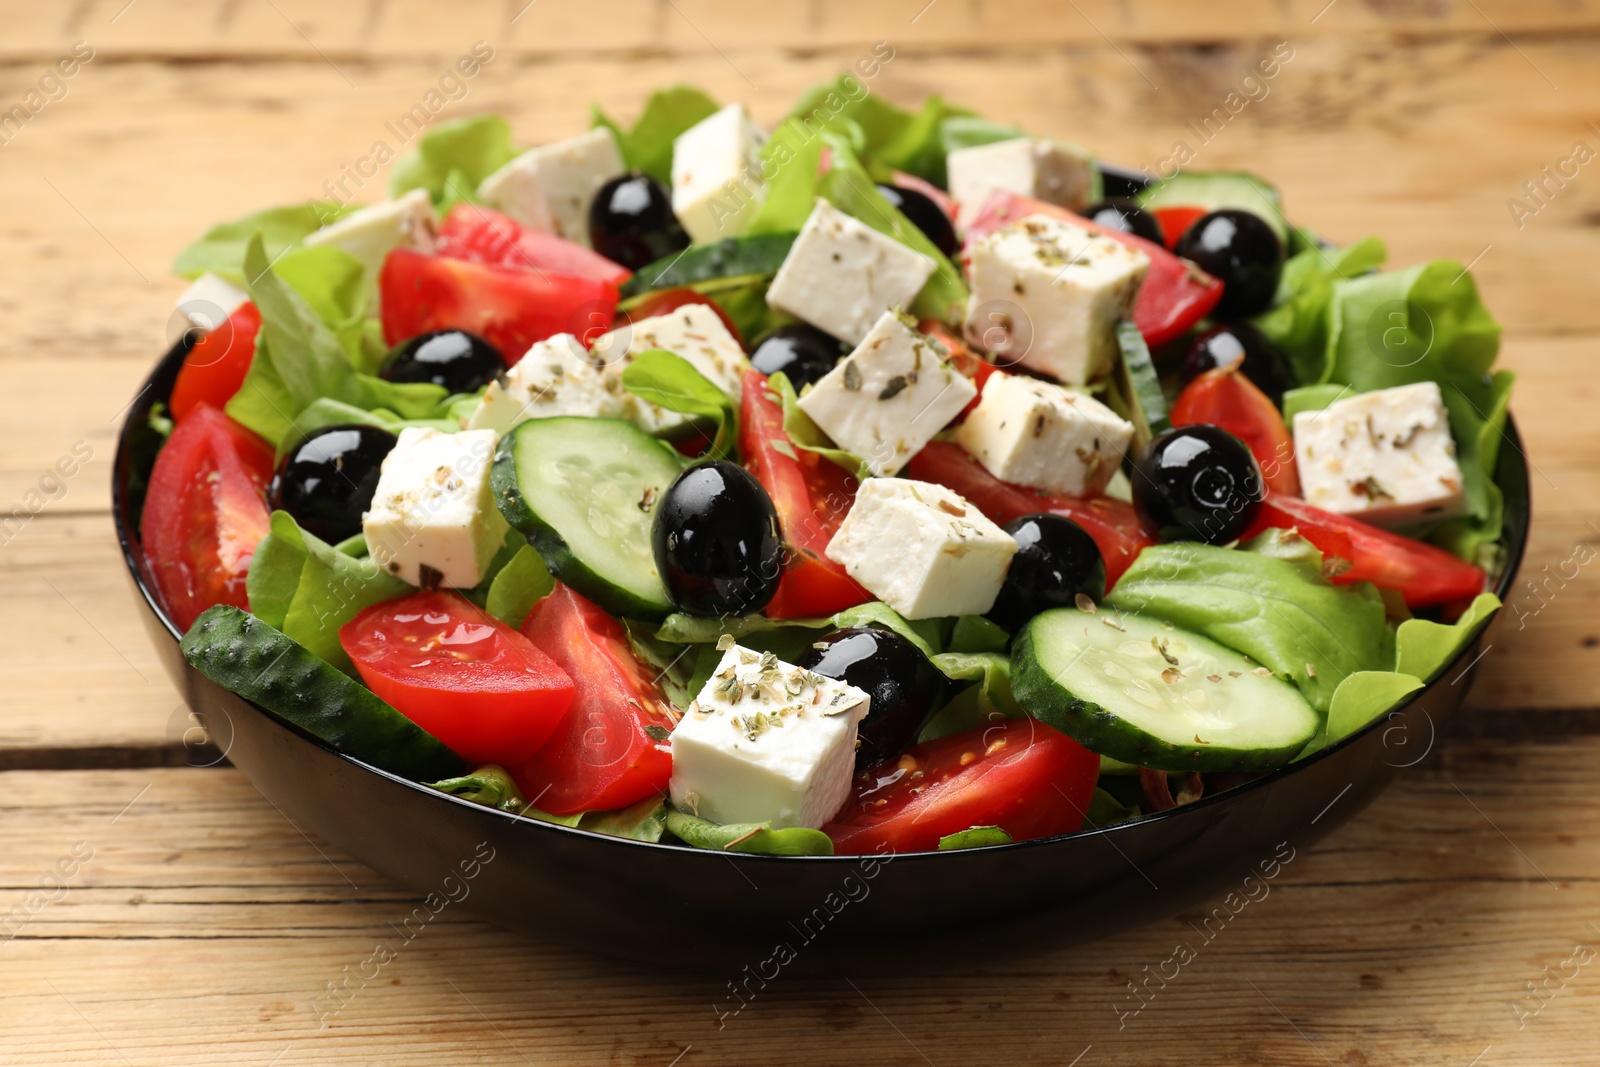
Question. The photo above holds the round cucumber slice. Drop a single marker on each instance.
(1135, 689)
(583, 492)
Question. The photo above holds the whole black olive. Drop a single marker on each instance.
(927, 216)
(631, 222)
(1262, 361)
(1118, 214)
(889, 669)
(462, 362)
(327, 480)
(804, 353)
(716, 541)
(1240, 250)
(1055, 561)
(1198, 483)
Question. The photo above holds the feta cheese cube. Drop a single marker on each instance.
(693, 332)
(551, 187)
(922, 549)
(887, 399)
(841, 274)
(371, 233)
(1053, 171)
(556, 377)
(717, 186)
(1048, 294)
(1044, 436)
(766, 741)
(433, 519)
(1386, 457)
(209, 300)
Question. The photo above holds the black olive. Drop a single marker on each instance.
(1055, 561)
(716, 541)
(1118, 214)
(631, 222)
(1240, 250)
(1198, 483)
(804, 353)
(462, 362)
(889, 669)
(327, 480)
(919, 208)
(1263, 362)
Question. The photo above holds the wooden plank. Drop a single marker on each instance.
(1406, 937)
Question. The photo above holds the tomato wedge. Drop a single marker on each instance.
(1226, 398)
(1175, 221)
(610, 750)
(509, 307)
(215, 367)
(1020, 775)
(1425, 575)
(1175, 295)
(204, 512)
(664, 301)
(811, 496)
(1113, 524)
(472, 231)
(459, 673)
(965, 359)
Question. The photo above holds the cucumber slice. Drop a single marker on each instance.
(267, 667)
(1147, 404)
(1108, 681)
(583, 492)
(1214, 189)
(731, 257)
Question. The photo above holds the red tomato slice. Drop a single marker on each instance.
(1113, 524)
(664, 301)
(965, 359)
(1175, 221)
(473, 232)
(1224, 397)
(1175, 295)
(204, 513)
(1020, 775)
(603, 755)
(811, 496)
(1426, 575)
(510, 308)
(459, 673)
(215, 367)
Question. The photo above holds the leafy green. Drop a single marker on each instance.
(489, 785)
(1424, 323)
(791, 158)
(647, 144)
(986, 698)
(332, 282)
(1282, 614)
(756, 837)
(1359, 700)
(308, 589)
(1477, 422)
(1299, 318)
(1311, 398)
(974, 633)
(644, 821)
(694, 629)
(221, 249)
(669, 381)
(1423, 647)
(974, 837)
(1106, 810)
(518, 586)
(453, 158)
(325, 411)
(807, 435)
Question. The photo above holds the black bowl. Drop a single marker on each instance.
(683, 908)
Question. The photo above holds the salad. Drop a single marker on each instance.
(885, 480)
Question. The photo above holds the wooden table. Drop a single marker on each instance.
(182, 920)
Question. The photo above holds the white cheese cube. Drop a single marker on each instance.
(551, 187)
(693, 332)
(766, 741)
(717, 186)
(1053, 171)
(1045, 436)
(1048, 294)
(209, 300)
(887, 399)
(1386, 457)
(371, 233)
(557, 377)
(841, 274)
(922, 549)
(433, 519)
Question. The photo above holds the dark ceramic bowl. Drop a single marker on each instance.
(682, 908)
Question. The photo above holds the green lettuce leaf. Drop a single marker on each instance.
(1299, 318)
(325, 411)
(669, 381)
(1106, 810)
(974, 837)
(757, 837)
(647, 144)
(453, 158)
(974, 633)
(489, 785)
(985, 698)
(747, 629)
(1361, 699)
(1424, 323)
(644, 821)
(518, 586)
(807, 435)
(1423, 647)
(221, 249)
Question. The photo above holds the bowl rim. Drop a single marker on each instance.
(1514, 538)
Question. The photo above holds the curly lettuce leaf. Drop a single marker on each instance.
(1299, 318)
(453, 158)
(518, 586)
(221, 249)
(671, 382)
(647, 144)
(1422, 647)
